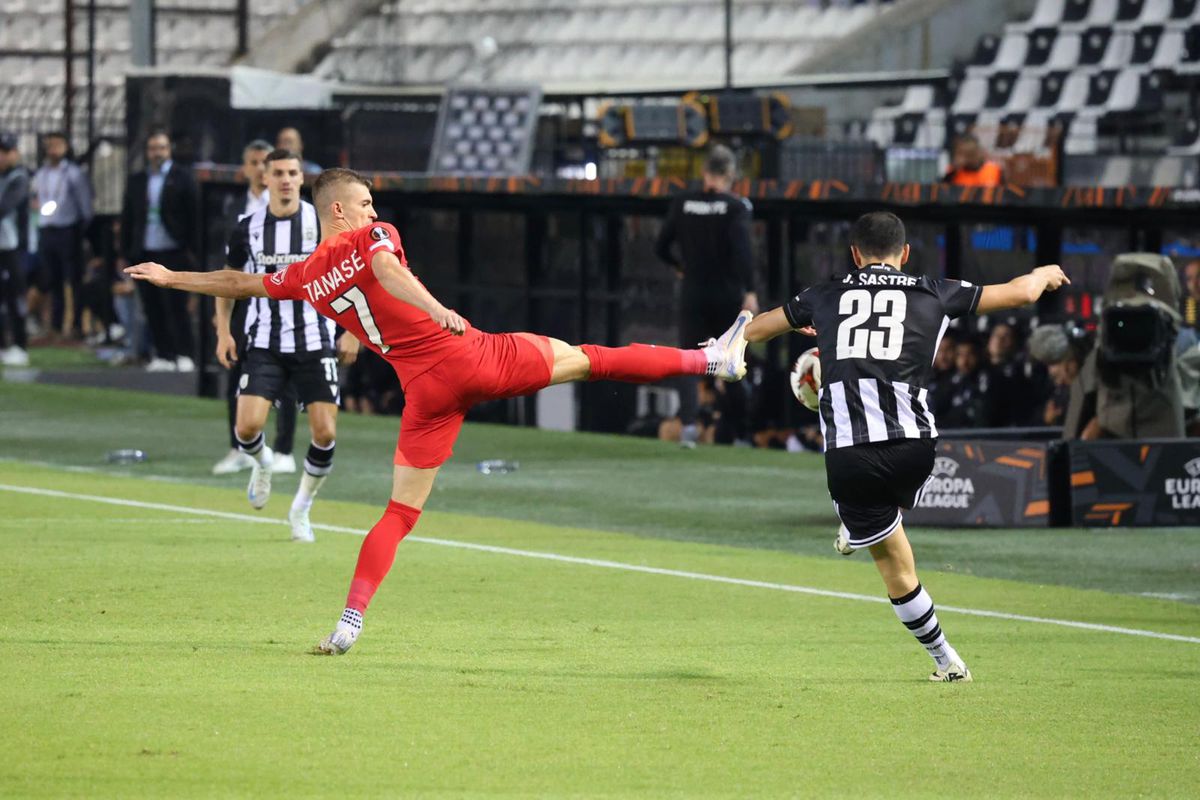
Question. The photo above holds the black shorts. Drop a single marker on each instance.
(267, 374)
(870, 483)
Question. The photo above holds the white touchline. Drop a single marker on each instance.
(595, 562)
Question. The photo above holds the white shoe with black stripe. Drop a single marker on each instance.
(957, 672)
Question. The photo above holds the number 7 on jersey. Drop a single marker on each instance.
(354, 298)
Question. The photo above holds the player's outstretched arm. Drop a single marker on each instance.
(1022, 290)
(222, 283)
(766, 327)
(401, 284)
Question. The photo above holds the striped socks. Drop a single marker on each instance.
(916, 611)
(256, 448)
(318, 463)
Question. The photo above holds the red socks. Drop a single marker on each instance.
(378, 552)
(642, 363)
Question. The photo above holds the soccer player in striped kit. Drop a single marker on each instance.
(878, 330)
(287, 341)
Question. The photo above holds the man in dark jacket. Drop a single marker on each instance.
(158, 223)
(14, 228)
(715, 263)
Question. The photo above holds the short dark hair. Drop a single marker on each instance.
(258, 144)
(158, 131)
(279, 154)
(55, 135)
(967, 138)
(880, 233)
(720, 162)
(332, 178)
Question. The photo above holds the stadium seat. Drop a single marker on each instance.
(1187, 141)
(1093, 46)
(1051, 89)
(999, 89)
(1100, 88)
(971, 96)
(1012, 52)
(1025, 93)
(1076, 10)
(1064, 53)
(1184, 10)
(1048, 14)
(985, 51)
(1040, 44)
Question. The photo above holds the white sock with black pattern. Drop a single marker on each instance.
(916, 611)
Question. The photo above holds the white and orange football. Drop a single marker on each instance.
(806, 379)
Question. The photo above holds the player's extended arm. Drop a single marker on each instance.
(401, 284)
(1022, 290)
(222, 283)
(766, 327)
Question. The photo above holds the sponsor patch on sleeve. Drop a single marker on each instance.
(277, 275)
(379, 232)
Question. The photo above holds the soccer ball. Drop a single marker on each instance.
(806, 379)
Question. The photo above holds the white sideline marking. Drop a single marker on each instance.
(594, 562)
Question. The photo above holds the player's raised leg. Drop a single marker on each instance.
(318, 463)
(723, 357)
(252, 415)
(410, 489)
(913, 605)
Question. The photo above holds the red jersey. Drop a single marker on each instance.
(337, 280)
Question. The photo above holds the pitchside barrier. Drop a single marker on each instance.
(1038, 484)
(1135, 483)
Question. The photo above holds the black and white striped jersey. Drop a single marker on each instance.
(262, 244)
(878, 330)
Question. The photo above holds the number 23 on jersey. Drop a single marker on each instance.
(872, 326)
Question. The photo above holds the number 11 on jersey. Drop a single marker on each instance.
(354, 298)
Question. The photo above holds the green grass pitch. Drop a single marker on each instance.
(155, 645)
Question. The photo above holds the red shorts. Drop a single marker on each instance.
(495, 366)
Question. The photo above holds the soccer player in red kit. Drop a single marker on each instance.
(359, 277)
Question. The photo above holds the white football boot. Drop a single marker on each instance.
(957, 672)
(234, 461)
(343, 637)
(301, 526)
(283, 464)
(259, 490)
(842, 542)
(727, 353)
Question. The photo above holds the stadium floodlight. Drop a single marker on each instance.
(485, 131)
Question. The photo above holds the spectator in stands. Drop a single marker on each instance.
(1063, 374)
(14, 231)
(1010, 387)
(968, 389)
(943, 372)
(63, 200)
(289, 139)
(158, 223)
(715, 263)
(1191, 295)
(970, 165)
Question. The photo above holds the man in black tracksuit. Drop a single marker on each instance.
(714, 263)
